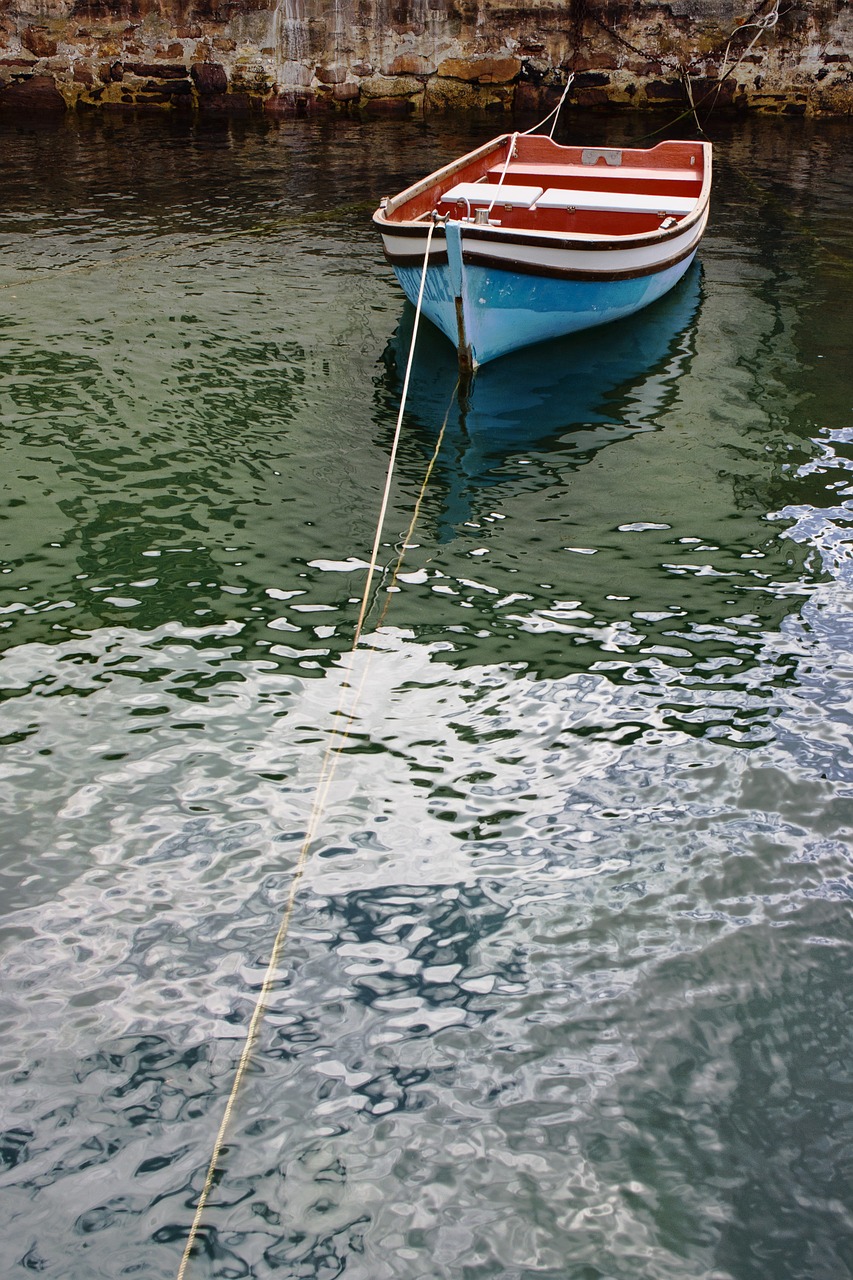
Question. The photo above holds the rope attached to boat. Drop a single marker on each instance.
(327, 773)
(555, 112)
(371, 569)
(763, 22)
(515, 136)
(510, 152)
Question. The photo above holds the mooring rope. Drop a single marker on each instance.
(555, 112)
(510, 152)
(764, 22)
(327, 772)
(417, 507)
(371, 569)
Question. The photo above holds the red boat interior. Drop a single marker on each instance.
(572, 190)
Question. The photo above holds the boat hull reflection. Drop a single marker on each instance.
(575, 395)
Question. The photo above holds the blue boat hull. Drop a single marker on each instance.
(505, 310)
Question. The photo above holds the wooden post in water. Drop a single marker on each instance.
(453, 234)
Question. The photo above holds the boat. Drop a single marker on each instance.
(523, 239)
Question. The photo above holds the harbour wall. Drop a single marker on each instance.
(402, 57)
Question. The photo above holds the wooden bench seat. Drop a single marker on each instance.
(486, 193)
(615, 201)
(603, 174)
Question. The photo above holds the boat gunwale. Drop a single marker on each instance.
(473, 256)
(518, 266)
(548, 239)
(436, 178)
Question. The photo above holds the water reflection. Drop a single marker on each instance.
(574, 396)
(563, 990)
(601, 503)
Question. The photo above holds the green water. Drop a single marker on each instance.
(565, 990)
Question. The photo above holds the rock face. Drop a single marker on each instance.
(395, 57)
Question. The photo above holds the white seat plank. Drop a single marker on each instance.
(614, 201)
(486, 193)
(605, 174)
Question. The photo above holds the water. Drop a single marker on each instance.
(564, 993)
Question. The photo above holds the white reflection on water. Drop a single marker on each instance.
(506, 870)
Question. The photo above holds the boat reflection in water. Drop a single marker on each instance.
(575, 395)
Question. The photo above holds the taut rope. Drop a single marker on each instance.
(327, 773)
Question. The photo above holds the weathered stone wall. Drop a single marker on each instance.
(400, 56)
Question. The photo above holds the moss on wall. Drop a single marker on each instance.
(396, 57)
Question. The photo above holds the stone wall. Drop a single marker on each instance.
(395, 57)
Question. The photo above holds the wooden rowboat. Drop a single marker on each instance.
(532, 240)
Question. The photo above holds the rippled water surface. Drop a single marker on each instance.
(565, 990)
